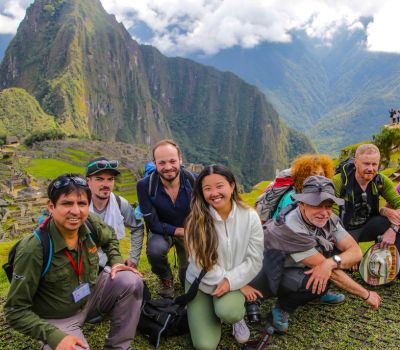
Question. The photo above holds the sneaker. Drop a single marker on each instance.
(280, 319)
(166, 289)
(330, 298)
(241, 332)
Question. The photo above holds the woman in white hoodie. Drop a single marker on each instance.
(224, 237)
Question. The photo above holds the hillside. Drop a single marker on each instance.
(84, 69)
(21, 114)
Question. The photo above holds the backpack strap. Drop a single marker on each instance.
(188, 177)
(191, 293)
(42, 234)
(93, 232)
(118, 199)
(153, 185)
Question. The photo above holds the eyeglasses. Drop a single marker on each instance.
(67, 180)
(104, 164)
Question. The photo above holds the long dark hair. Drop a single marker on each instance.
(201, 239)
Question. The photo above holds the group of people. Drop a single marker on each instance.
(394, 116)
(295, 256)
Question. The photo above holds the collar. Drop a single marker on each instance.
(58, 240)
(217, 217)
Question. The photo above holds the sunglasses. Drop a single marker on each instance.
(104, 164)
(311, 188)
(66, 181)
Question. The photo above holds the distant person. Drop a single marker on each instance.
(306, 248)
(53, 308)
(164, 200)
(393, 115)
(112, 208)
(398, 116)
(361, 186)
(225, 238)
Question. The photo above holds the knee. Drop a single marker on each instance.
(156, 249)
(130, 283)
(230, 315)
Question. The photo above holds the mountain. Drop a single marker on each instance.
(336, 94)
(84, 69)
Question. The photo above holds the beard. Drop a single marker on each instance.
(170, 178)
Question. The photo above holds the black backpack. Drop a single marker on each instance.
(41, 233)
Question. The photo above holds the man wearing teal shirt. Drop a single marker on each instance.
(52, 308)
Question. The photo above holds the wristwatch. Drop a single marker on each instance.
(337, 259)
(395, 228)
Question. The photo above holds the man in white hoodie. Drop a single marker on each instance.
(113, 209)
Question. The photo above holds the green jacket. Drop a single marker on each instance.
(32, 299)
(388, 192)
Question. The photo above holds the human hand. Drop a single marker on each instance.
(389, 237)
(393, 215)
(179, 232)
(250, 293)
(320, 275)
(222, 288)
(121, 267)
(374, 300)
(130, 263)
(69, 342)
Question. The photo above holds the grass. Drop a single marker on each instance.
(51, 168)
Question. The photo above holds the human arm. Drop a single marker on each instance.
(20, 300)
(250, 293)
(149, 212)
(69, 342)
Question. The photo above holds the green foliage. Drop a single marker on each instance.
(51, 168)
(44, 135)
(387, 141)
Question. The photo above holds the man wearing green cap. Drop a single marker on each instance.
(113, 209)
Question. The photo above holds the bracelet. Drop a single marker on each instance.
(369, 293)
(395, 228)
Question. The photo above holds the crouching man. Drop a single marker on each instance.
(306, 247)
(53, 307)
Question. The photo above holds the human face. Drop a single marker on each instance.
(367, 165)
(101, 184)
(70, 211)
(319, 170)
(168, 162)
(217, 191)
(317, 215)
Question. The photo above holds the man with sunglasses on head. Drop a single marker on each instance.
(113, 209)
(361, 186)
(164, 199)
(53, 307)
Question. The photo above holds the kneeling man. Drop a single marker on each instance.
(53, 307)
(306, 247)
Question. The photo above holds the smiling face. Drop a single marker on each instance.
(316, 215)
(168, 162)
(70, 211)
(367, 166)
(101, 184)
(217, 191)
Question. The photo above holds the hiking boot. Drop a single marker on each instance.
(166, 289)
(280, 319)
(330, 298)
(241, 332)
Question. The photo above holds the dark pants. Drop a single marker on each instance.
(158, 247)
(292, 291)
(374, 227)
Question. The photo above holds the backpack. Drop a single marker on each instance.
(268, 201)
(41, 233)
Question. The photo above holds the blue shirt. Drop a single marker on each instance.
(161, 215)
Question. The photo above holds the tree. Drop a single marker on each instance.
(387, 141)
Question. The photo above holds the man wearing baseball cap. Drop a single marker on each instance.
(315, 249)
(113, 209)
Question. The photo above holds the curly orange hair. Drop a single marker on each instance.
(305, 166)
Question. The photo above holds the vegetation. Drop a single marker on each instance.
(43, 136)
(51, 168)
(387, 141)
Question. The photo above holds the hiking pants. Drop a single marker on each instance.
(374, 227)
(157, 250)
(292, 291)
(120, 299)
(206, 312)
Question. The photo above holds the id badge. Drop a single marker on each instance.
(80, 292)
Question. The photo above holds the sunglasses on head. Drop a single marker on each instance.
(104, 164)
(317, 187)
(67, 180)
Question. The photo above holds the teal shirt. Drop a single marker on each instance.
(285, 201)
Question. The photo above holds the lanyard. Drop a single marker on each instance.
(78, 270)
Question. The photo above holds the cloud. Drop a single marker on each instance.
(181, 27)
(11, 14)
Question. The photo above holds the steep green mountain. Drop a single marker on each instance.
(21, 114)
(337, 94)
(85, 69)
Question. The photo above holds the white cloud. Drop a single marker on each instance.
(184, 26)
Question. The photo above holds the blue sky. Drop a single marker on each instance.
(181, 27)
